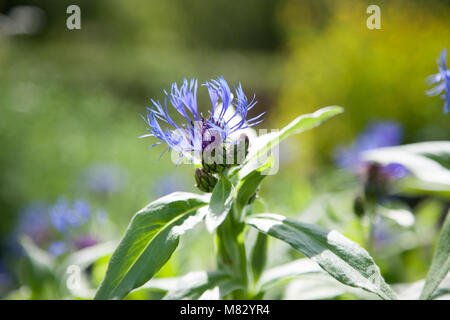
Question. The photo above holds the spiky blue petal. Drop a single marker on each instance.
(228, 115)
(441, 81)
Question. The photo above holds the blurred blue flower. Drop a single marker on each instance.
(382, 234)
(64, 215)
(395, 170)
(60, 214)
(57, 248)
(105, 178)
(81, 212)
(199, 131)
(67, 217)
(441, 81)
(376, 135)
(33, 222)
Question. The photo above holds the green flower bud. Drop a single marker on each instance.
(358, 206)
(225, 155)
(240, 150)
(205, 181)
(215, 161)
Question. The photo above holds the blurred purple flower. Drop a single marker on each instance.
(376, 135)
(85, 241)
(441, 81)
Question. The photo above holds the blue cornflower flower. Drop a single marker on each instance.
(64, 215)
(227, 117)
(376, 135)
(60, 215)
(441, 80)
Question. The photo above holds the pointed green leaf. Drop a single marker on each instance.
(298, 125)
(258, 256)
(220, 204)
(249, 185)
(441, 262)
(319, 286)
(342, 258)
(149, 241)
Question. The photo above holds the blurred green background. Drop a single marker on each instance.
(71, 99)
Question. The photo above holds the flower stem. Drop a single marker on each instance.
(231, 253)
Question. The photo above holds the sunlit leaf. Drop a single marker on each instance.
(319, 286)
(194, 284)
(342, 258)
(220, 204)
(151, 238)
(441, 262)
(249, 185)
(300, 124)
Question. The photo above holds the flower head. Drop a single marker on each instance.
(441, 81)
(226, 118)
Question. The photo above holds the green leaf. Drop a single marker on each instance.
(428, 163)
(151, 238)
(287, 272)
(298, 125)
(223, 289)
(220, 204)
(319, 286)
(342, 258)
(441, 262)
(258, 255)
(249, 185)
(194, 284)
